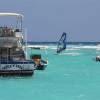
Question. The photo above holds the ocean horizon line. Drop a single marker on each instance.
(52, 42)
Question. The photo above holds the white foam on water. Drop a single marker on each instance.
(54, 48)
(71, 49)
(87, 47)
(71, 53)
(78, 47)
(41, 46)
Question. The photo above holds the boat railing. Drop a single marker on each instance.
(6, 32)
(15, 57)
(9, 31)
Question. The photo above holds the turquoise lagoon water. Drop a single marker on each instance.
(72, 75)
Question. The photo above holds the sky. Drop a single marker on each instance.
(46, 20)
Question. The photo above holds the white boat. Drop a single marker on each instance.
(12, 55)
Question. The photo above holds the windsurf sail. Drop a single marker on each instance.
(61, 43)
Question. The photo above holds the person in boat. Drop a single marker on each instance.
(37, 59)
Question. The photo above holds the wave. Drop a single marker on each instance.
(72, 53)
(87, 47)
(69, 47)
(77, 47)
(40, 46)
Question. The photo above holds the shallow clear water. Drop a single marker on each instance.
(72, 75)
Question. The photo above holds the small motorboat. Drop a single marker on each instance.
(97, 58)
(39, 62)
(38, 57)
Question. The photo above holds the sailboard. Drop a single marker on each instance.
(61, 43)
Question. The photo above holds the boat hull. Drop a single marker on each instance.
(21, 68)
(43, 64)
(41, 67)
(16, 72)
